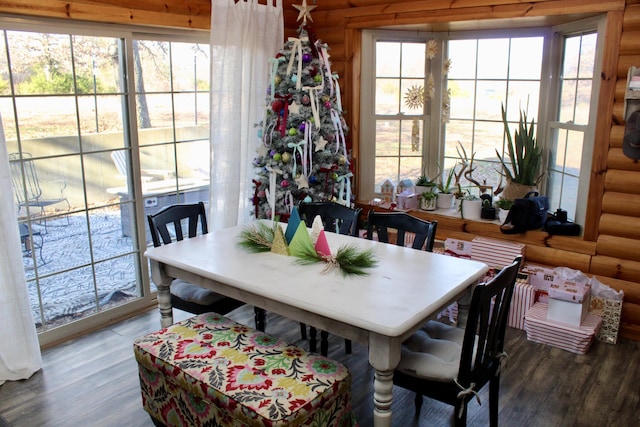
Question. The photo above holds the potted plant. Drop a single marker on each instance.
(428, 201)
(445, 193)
(503, 205)
(425, 183)
(525, 156)
(470, 206)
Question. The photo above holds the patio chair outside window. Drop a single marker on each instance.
(27, 189)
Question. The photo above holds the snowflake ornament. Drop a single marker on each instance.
(414, 98)
(432, 49)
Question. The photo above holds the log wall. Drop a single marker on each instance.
(611, 242)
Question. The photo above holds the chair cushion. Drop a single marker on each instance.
(194, 293)
(433, 352)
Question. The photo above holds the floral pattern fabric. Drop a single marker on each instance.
(211, 371)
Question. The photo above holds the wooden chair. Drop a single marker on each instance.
(167, 226)
(337, 219)
(451, 364)
(381, 222)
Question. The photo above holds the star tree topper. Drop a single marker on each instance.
(304, 11)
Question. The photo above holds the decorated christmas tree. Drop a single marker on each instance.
(303, 155)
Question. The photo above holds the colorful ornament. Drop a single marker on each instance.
(294, 78)
(342, 160)
(260, 133)
(327, 105)
(317, 78)
(306, 57)
(277, 157)
(284, 183)
(286, 157)
(313, 71)
(302, 127)
(313, 180)
(262, 194)
(305, 99)
(277, 80)
(293, 132)
(308, 199)
(277, 105)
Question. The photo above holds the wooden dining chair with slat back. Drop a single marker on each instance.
(335, 218)
(452, 364)
(405, 226)
(169, 225)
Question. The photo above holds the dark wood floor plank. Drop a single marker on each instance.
(93, 381)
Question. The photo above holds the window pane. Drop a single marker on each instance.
(410, 168)
(387, 134)
(462, 98)
(387, 59)
(49, 116)
(526, 58)
(152, 70)
(190, 65)
(386, 168)
(413, 59)
(567, 100)
(571, 58)
(574, 152)
(587, 55)
(463, 59)
(411, 138)
(490, 96)
(410, 88)
(5, 86)
(493, 58)
(387, 96)
(524, 95)
(583, 106)
(101, 114)
(558, 148)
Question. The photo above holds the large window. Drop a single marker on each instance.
(103, 127)
(464, 79)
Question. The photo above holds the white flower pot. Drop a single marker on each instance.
(428, 204)
(471, 209)
(445, 201)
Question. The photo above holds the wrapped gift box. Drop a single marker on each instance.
(523, 299)
(495, 253)
(576, 339)
(458, 248)
(568, 301)
(540, 277)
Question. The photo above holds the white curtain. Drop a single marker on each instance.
(19, 348)
(244, 36)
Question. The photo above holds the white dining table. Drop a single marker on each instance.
(380, 309)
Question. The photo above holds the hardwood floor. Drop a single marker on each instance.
(92, 381)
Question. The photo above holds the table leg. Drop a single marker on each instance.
(384, 356)
(163, 282)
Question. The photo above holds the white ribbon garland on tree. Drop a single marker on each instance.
(345, 189)
(275, 63)
(271, 191)
(296, 51)
(324, 57)
(297, 146)
(308, 152)
(313, 100)
(338, 97)
(340, 139)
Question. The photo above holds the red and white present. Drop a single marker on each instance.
(524, 296)
(568, 301)
(540, 277)
(576, 339)
(458, 248)
(496, 253)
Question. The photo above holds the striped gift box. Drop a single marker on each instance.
(576, 339)
(495, 253)
(524, 296)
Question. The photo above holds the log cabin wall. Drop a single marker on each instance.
(610, 248)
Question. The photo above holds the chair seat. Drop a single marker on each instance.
(194, 293)
(433, 352)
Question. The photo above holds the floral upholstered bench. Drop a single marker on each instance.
(210, 370)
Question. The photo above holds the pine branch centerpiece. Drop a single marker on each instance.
(296, 241)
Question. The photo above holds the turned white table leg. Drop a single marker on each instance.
(163, 282)
(384, 356)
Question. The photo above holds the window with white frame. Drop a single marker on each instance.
(546, 73)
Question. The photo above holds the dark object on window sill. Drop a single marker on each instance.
(558, 225)
(488, 213)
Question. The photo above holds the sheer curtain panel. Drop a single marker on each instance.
(244, 36)
(19, 348)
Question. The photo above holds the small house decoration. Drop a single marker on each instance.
(406, 185)
(387, 190)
